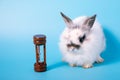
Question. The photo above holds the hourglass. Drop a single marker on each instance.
(40, 40)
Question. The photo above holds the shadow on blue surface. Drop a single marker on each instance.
(112, 51)
(56, 65)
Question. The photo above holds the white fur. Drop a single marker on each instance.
(91, 48)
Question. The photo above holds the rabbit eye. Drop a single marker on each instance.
(81, 39)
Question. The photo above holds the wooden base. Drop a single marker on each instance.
(40, 67)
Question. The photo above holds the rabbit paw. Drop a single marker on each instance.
(72, 65)
(99, 60)
(87, 66)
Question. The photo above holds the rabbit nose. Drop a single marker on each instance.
(73, 49)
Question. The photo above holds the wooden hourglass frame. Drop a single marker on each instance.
(40, 40)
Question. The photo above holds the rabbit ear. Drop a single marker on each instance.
(87, 25)
(67, 20)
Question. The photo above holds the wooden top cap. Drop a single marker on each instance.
(39, 36)
(39, 39)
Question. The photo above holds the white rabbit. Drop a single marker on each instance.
(82, 41)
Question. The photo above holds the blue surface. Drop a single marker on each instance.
(21, 19)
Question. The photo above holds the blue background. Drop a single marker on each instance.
(21, 19)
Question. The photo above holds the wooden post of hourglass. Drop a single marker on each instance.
(38, 41)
